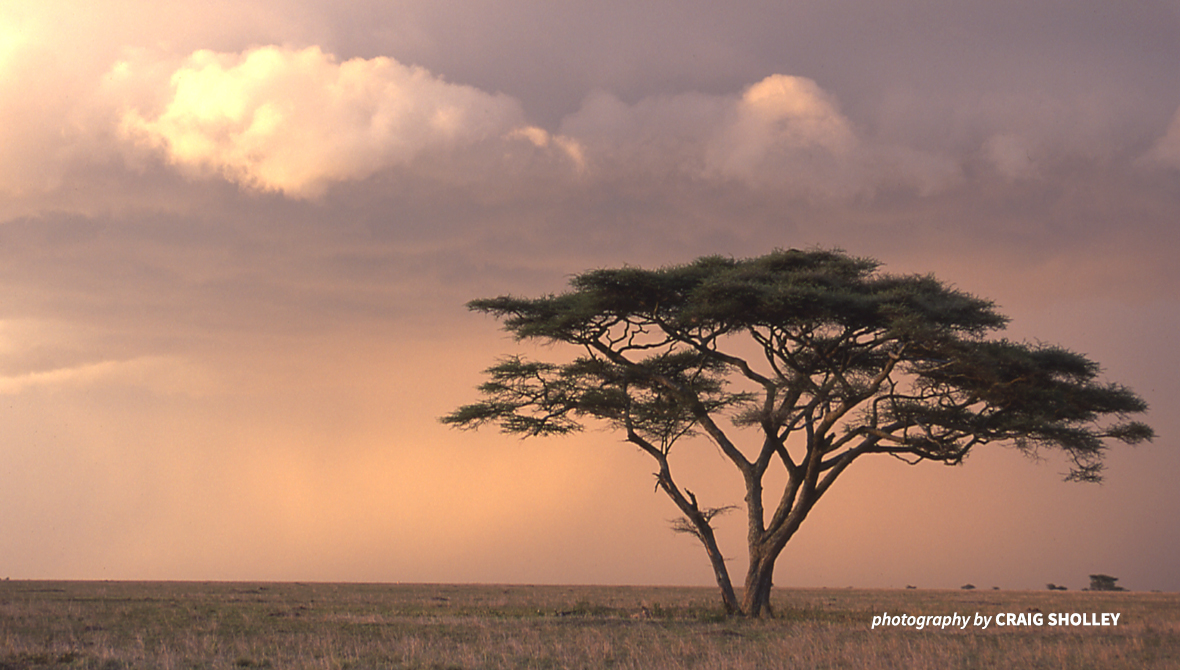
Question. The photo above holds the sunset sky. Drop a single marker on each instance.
(236, 240)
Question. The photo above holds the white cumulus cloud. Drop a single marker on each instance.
(568, 147)
(295, 121)
(298, 120)
(783, 122)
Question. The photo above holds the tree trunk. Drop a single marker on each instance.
(759, 581)
(700, 527)
(720, 572)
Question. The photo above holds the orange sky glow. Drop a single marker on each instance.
(236, 240)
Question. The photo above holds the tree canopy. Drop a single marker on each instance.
(804, 360)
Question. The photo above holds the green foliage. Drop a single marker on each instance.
(1035, 396)
(828, 325)
(533, 398)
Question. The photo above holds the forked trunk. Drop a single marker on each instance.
(759, 581)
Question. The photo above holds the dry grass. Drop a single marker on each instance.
(115, 625)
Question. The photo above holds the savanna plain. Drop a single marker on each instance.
(117, 625)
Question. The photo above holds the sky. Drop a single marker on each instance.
(236, 240)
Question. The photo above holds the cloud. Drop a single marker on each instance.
(1009, 154)
(59, 109)
(58, 355)
(1166, 151)
(541, 139)
(781, 119)
(295, 121)
(160, 374)
(37, 99)
(783, 133)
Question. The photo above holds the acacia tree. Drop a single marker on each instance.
(846, 361)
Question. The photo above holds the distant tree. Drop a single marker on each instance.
(1104, 583)
(799, 360)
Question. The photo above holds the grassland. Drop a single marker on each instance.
(182, 625)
